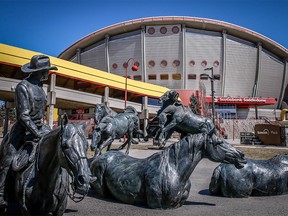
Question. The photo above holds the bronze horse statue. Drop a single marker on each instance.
(113, 127)
(256, 178)
(174, 116)
(42, 185)
(162, 180)
(102, 110)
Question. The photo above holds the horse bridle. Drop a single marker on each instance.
(73, 163)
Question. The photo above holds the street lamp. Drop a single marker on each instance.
(212, 78)
(134, 68)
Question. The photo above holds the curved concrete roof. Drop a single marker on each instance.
(192, 22)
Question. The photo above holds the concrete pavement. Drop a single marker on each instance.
(200, 202)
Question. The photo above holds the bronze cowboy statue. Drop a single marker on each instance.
(30, 101)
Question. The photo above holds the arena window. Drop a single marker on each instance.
(204, 63)
(163, 30)
(163, 63)
(137, 77)
(192, 76)
(164, 76)
(125, 65)
(176, 76)
(151, 30)
(175, 29)
(176, 63)
(137, 63)
(203, 77)
(114, 66)
(216, 76)
(152, 77)
(216, 63)
(192, 63)
(151, 64)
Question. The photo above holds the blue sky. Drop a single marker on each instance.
(50, 26)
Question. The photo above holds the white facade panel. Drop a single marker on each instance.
(164, 47)
(95, 57)
(270, 81)
(205, 51)
(241, 66)
(121, 50)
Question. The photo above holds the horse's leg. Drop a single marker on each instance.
(167, 136)
(168, 127)
(162, 119)
(129, 141)
(62, 208)
(126, 142)
(215, 184)
(185, 193)
(153, 193)
(107, 143)
(99, 185)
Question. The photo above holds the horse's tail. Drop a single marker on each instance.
(215, 183)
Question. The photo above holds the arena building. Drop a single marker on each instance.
(250, 70)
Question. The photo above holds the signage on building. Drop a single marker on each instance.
(241, 100)
(244, 101)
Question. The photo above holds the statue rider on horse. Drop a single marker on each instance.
(30, 101)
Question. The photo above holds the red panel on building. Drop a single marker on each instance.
(244, 102)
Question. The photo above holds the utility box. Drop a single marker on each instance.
(270, 134)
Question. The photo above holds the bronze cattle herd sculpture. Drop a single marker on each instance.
(40, 168)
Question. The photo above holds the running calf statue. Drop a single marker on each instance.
(256, 178)
(162, 180)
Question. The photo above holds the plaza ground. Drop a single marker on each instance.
(200, 202)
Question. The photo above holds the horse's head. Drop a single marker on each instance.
(219, 150)
(170, 95)
(99, 113)
(73, 158)
(130, 109)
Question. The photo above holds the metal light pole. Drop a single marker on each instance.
(212, 78)
(134, 68)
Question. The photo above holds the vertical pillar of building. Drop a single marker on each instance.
(107, 59)
(283, 87)
(184, 77)
(78, 54)
(223, 62)
(258, 70)
(51, 99)
(145, 112)
(143, 44)
(105, 98)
